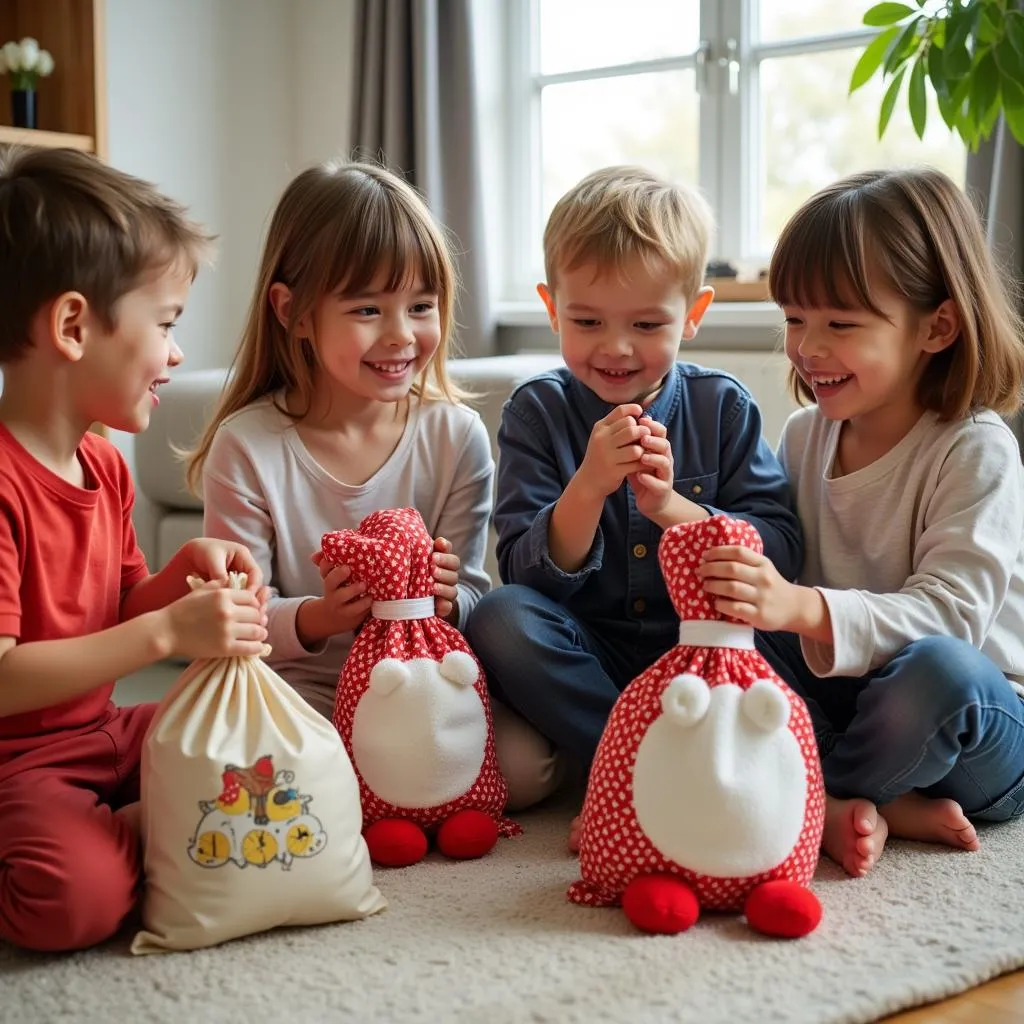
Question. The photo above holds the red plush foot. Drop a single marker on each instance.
(660, 904)
(467, 834)
(394, 843)
(784, 909)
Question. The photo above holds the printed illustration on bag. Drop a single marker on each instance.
(259, 817)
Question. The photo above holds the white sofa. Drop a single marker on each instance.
(187, 401)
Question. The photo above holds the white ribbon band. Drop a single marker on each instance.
(715, 633)
(408, 608)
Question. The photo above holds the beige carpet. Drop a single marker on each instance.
(494, 941)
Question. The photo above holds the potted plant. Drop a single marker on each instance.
(970, 52)
(26, 63)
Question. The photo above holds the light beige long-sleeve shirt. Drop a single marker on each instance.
(927, 540)
(262, 488)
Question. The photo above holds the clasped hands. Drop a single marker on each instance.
(629, 445)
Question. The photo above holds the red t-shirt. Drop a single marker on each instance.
(66, 555)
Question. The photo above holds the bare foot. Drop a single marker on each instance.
(913, 816)
(854, 834)
(575, 828)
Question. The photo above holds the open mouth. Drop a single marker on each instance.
(615, 376)
(829, 384)
(392, 370)
(155, 385)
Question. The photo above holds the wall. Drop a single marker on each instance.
(220, 103)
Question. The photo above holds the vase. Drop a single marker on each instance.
(23, 108)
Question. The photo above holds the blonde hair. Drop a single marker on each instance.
(915, 232)
(71, 223)
(620, 213)
(337, 226)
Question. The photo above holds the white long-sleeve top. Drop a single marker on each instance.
(927, 540)
(262, 488)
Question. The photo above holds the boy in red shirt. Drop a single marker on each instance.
(95, 267)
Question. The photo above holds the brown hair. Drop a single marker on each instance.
(618, 213)
(72, 223)
(336, 226)
(915, 232)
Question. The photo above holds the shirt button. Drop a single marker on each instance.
(639, 550)
(639, 606)
(697, 488)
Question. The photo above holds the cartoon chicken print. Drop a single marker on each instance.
(258, 818)
(706, 790)
(412, 705)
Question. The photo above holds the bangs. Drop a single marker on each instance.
(389, 249)
(821, 259)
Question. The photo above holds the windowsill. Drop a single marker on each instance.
(727, 315)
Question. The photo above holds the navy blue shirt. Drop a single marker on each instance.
(722, 463)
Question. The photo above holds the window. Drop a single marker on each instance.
(748, 99)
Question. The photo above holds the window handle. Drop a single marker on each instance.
(731, 63)
(700, 60)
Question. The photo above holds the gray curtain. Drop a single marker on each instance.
(995, 180)
(415, 111)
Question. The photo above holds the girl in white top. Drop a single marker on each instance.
(339, 404)
(905, 630)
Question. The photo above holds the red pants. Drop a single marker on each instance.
(70, 868)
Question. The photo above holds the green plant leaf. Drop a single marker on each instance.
(984, 86)
(916, 98)
(990, 28)
(1013, 108)
(871, 58)
(1015, 30)
(887, 14)
(889, 101)
(901, 49)
(1009, 61)
(959, 25)
(937, 72)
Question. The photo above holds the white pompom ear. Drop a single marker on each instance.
(765, 705)
(387, 676)
(459, 667)
(686, 698)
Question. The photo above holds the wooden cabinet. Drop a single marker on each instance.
(72, 102)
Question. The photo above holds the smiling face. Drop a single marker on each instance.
(121, 369)
(373, 346)
(864, 366)
(620, 329)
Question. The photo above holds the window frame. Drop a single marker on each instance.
(730, 155)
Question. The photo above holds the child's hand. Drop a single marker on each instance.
(748, 587)
(344, 605)
(212, 560)
(446, 579)
(613, 451)
(214, 621)
(652, 485)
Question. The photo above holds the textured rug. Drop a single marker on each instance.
(494, 941)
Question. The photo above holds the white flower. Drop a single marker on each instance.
(45, 65)
(29, 53)
(12, 54)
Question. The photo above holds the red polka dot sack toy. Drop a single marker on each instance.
(706, 789)
(412, 704)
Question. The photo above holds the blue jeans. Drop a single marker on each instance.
(939, 718)
(562, 677)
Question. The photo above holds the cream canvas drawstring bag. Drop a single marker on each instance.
(251, 815)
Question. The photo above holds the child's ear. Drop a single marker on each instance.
(66, 324)
(696, 312)
(281, 303)
(943, 327)
(548, 298)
